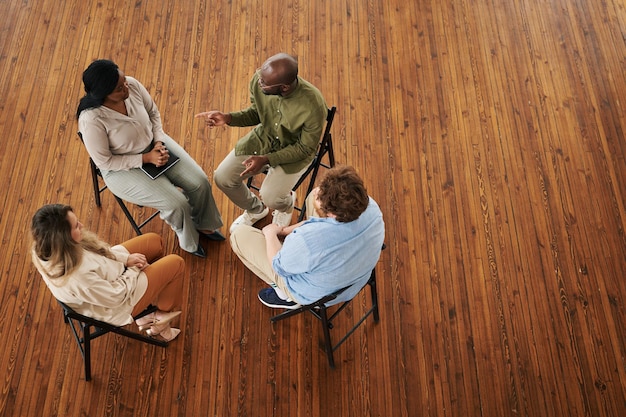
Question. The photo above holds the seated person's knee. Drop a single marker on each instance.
(276, 200)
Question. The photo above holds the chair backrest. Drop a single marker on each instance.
(319, 310)
(95, 173)
(325, 149)
(83, 334)
(326, 143)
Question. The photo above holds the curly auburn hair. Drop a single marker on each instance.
(343, 194)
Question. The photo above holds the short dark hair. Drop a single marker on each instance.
(343, 194)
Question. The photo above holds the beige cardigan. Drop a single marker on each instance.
(101, 288)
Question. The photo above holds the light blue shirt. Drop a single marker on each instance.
(324, 255)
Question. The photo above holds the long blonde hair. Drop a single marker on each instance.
(52, 241)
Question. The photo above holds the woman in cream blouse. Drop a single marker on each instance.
(121, 127)
(110, 284)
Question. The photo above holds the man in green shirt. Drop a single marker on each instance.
(289, 115)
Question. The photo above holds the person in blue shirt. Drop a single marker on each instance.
(337, 246)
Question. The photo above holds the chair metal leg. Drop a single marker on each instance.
(331, 153)
(87, 351)
(95, 173)
(374, 293)
(130, 218)
(81, 327)
(328, 346)
(96, 184)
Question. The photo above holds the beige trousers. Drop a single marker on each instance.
(248, 243)
(275, 191)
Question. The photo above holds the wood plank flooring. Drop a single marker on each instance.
(491, 133)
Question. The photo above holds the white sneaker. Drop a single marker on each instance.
(249, 218)
(283, 218)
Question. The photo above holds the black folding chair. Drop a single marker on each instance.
(319, 309)
(81, 327)
(325, 150)
(97, 189)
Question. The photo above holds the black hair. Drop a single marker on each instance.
(100, 79)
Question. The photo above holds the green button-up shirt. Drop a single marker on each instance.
(288, 128)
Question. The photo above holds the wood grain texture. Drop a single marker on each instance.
(490, 132)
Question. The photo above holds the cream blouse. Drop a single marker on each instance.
(115, 141)
(101, 288)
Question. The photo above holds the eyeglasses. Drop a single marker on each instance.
(262, 83)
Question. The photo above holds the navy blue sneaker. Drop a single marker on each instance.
(269, 297)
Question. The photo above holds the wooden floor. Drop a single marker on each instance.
(490, 132)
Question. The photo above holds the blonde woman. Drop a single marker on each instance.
(110, 284)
